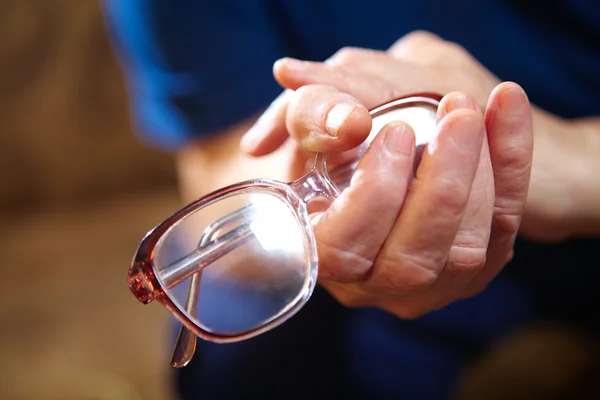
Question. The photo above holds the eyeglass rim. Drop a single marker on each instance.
(146, 287)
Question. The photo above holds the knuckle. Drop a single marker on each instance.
(455, 55)
(346, 56)
(387, 90)
(466, 259)
(516, 159)
(455, 50)
(422, 36)
(341, 76)
(406, 277)
(342, 265)
(390, 92)
(506, 224)
(464, 79)
(449, 194)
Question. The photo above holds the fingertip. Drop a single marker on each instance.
(509, 114)
(455, 101)
(279, 70)
(287, 72)
(512, 100)
(508, 85)
(465, 116)
(399, 138)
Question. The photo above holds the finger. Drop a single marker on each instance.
(418, 246)
(467, 255)
(351, 232)
(268, 133)
(293, 74)
(323, 119)
(455, 101)
(510, 134)
(468, 252)
(374, 83)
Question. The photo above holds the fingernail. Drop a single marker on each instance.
(464, 139)
(398, 139)
(511, 101)
(460, 101)
(337, 116)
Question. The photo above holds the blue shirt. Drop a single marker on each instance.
(194, 67)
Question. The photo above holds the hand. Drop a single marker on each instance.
(410, 247)
(419, 62)
(562, 202)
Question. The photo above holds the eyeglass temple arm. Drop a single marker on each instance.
(185, 345)
(202, 257)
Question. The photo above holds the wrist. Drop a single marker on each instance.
(586, 188)
(564, 190)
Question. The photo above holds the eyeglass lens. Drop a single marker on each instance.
(254, 280)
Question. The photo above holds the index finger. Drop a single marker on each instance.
(268, 132)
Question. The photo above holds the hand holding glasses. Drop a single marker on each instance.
(243, 259)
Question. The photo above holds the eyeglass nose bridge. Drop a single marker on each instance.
(315, 183)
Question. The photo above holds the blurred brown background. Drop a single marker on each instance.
(78, 191)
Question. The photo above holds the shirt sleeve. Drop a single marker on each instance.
(193, 67)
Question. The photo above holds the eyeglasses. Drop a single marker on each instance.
(243, 259)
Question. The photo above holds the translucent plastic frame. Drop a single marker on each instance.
(146, 286)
